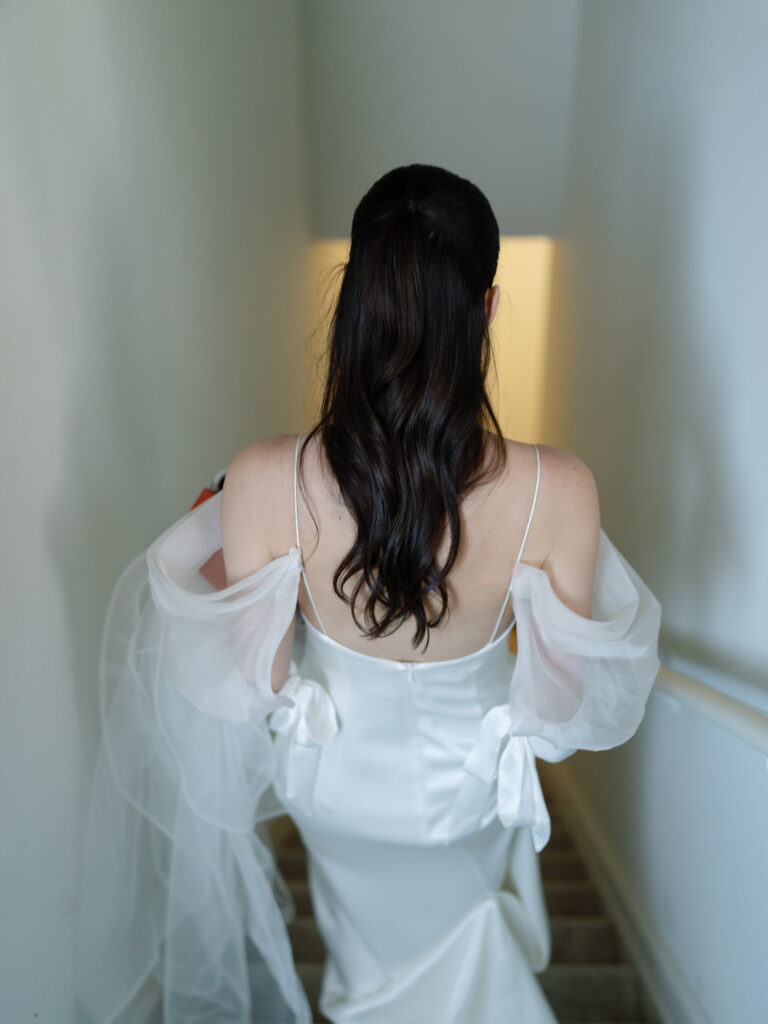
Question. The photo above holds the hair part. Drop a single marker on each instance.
(405, 422)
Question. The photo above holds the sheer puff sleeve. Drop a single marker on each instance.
(577, 683)
(178, 876)
(583, 683)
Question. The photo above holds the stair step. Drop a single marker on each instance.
(580, 993)
(311, 975)
(560, 838)
(306, 940)
(300, 892)
(561, 864)
(584, 940)
(289, 834)
(292, 862)
(565, 896)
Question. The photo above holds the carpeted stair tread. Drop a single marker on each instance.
(300, 892)
(566, 896)
(579, 993)
(584, 939)
(305, 939)
(561, 864)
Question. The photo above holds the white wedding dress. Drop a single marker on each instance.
(414, 787)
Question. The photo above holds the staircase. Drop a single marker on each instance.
(589, 979)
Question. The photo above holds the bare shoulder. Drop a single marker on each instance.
(566, 478)
(571, 482)
(261, 461)
(572, 509)
(253, 503)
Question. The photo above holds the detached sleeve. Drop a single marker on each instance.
(583, 683)
(179, 886)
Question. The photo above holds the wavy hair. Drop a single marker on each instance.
(405, 422)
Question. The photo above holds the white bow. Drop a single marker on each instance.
(510, 761)
(310, 721)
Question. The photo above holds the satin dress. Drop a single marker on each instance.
(414, 787)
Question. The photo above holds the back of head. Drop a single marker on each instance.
(405, 411)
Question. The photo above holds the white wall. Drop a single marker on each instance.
(481, 88)
(675, 826)
(658, 356)
(656, 371)
(152, 203)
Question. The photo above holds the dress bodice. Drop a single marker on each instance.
(476, 669)
(415, 737)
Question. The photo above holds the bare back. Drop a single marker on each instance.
(477, 584)
(561, 539)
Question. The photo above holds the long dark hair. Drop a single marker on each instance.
(405, 409)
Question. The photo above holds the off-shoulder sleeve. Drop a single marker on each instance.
(579, 683)
(576, 684)
(179, 885)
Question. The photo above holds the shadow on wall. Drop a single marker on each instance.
(118, 408)
(166, 278)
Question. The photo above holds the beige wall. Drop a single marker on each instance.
(148, 328)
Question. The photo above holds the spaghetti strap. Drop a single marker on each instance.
(296, 521)
(533, 503)
(295, 496)
(525, 537)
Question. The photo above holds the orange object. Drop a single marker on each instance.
(204, 495)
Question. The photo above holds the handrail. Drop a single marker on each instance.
(740, 720)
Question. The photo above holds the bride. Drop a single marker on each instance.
(329, 637)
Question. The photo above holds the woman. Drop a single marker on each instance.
(409, 487)
(354, 671)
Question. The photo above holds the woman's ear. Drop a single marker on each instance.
(492, 302)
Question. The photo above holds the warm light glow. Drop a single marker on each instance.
(327, 257)
(518, 333)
